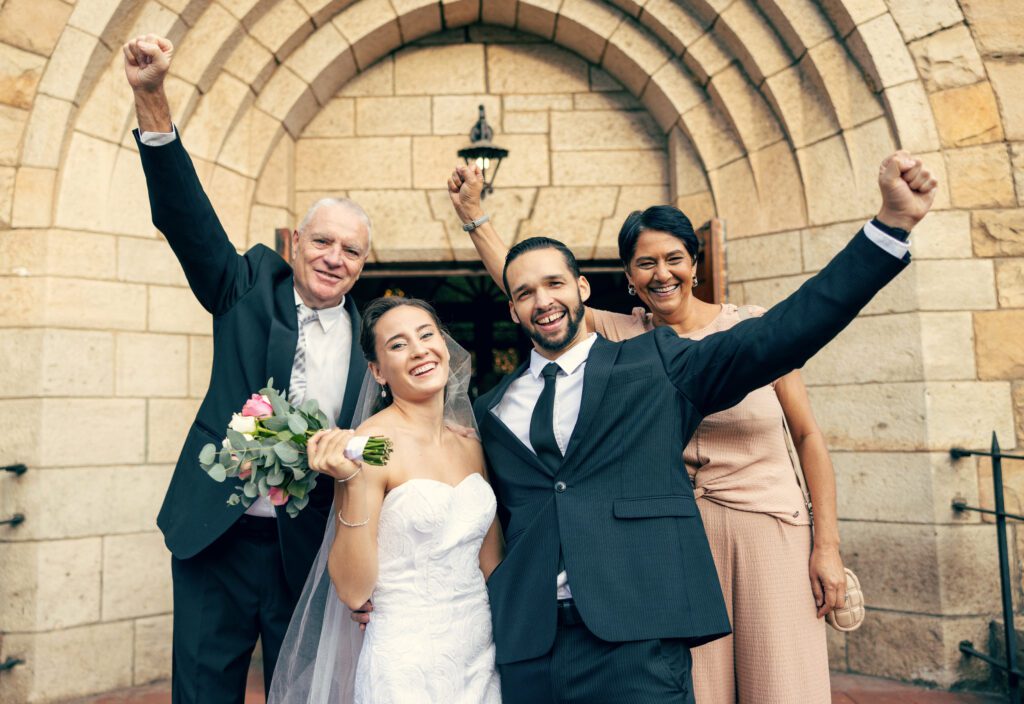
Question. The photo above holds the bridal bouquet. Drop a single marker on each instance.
(265, 447)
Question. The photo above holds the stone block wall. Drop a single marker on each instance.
(770, 115)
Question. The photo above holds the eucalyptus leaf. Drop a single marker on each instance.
(284, 436)
(297, 473)
(279, 404)
(263, 487)
(310, 407)
(297, 489)
(275, 424)
(322, 417)
(276, 477)
(292, 510)
(224, 456)
(299, 503)
(217, 473)
(247, 502)
(236, 439)
(234, 500)
(250, 490)
(208, 455)
(297, 424)
(286, 452)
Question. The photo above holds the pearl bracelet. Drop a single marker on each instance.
(342, 481)
(352, 525)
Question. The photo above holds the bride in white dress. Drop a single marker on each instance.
(417, 536)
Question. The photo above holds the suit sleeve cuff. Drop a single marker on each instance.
(890, 244)
(158, 139)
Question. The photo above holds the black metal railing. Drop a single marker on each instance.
(10, 664)
(17, 519)
(1009, 666)
(17, 469)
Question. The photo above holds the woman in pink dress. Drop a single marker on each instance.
(778, 582)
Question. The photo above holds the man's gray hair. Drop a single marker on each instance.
(346, 203)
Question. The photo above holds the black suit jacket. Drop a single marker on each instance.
(255, 331)
(626, 521)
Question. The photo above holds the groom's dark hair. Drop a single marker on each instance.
(532, 243)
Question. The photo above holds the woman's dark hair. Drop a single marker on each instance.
(374, 311)
(533, 243)
(663, 218)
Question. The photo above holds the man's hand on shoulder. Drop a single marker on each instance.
(908, 190)
(146, 61)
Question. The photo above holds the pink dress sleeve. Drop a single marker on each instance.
(620, 326)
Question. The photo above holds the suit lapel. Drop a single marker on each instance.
(356, 368)
(284, 336)
(598, 370)
(499, 431)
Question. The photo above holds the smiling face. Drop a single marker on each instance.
(412, 357)
(328, 255)
(662, 272)
(547, 299)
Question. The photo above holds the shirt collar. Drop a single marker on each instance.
(568, 362)
(327, 317)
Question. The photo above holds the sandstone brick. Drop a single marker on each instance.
(801, 24)
(633, 56)
(732, 186)
(867, 145)
(531, 103)
(849, 95)
(215, 115)
(603, 168)
(537, 17)
(277, 182)
(526, 164)
(998, 232)
(699, 207)
(175, 310)
(50, 585)
(948, 59)
(997, 25)
(80, 205)
(136, 576)
(525, 122)
(943, 235)
(1010, 283)
(745, 31)
(456, 114)
(979, 177)
(199, 57)
(945, 284)
(1000, 344)
(325, 62)
(912, 115)
(33, 25)
(706, 56)
(264, 221)
(959, 413)
(1017, 162)
(937, 165)
(45, 133)
(947, 345)
(126, 206)
(765, 257)
(393, 116)
(827, 177)
(497, 12)
(889, 556)
(604, 130)
(872, 417)
(534, 68)
(336, 119)
(403, 226)
(712, 135)
(1018, 410)
(200, 364)
(417, 18)
(601, 82)
(585, 27)
(152, 657)
(780, 192)
(33, 197)
(967, 115)
(87, 501)
(630, 198)
(109, 108)
(283, 28)
(81, 303)
(115, 432)
(167, 425)
(673, 25)
(59, 253)
(20, 72)
(231, 196)
(12, 129)
(917, 21)
(756, 124)
(289, 99)
(249, 143)
(881, 51)
(670, 93)
(249, 11)
(438, 70)
(619, 100)
(371, 28)
(101, 19)
(458, 13)
(378, 79)
(22, 419)
(802, 104)
(138, 354)
(251, 62)
(340, 163)
(510, 206)
(1006, 79)
(97, 658)
(686, 173)
(572, 215)
(7, 181)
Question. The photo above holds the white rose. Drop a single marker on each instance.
(243, 424)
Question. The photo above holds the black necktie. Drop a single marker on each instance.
(542, 424)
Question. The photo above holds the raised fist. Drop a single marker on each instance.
(464, 188)
(146, 60)
(908, 190)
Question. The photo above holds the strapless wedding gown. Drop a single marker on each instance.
(429, 638)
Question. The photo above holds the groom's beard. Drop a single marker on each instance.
(556, 344)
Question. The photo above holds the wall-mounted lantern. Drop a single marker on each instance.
(484, 152)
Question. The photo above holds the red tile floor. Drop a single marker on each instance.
(846, 689)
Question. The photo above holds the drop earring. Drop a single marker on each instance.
(695, 282)
(631, 290)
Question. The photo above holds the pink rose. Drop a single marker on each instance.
(278, 497)
(246, 470)
(258, 407)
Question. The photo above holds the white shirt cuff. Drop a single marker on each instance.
(158, 139)
(889, 243)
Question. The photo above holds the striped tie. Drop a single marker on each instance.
(297, 388)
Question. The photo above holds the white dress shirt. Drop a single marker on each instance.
(515, 409)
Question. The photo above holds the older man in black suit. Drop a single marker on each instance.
(237, 576)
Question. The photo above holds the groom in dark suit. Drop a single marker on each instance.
(237, 576)
(608, 580)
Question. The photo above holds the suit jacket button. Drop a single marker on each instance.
(560, 487)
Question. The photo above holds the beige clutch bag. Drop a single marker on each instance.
(850, 616)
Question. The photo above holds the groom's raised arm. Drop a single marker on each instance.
(180, 208)
(718, 371)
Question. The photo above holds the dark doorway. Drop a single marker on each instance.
(476, 311)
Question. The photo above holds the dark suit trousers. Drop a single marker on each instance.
(226, 597)
(583, 669)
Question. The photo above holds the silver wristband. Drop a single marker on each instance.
(470, 226)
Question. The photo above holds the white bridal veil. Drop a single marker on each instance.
(318, 658)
